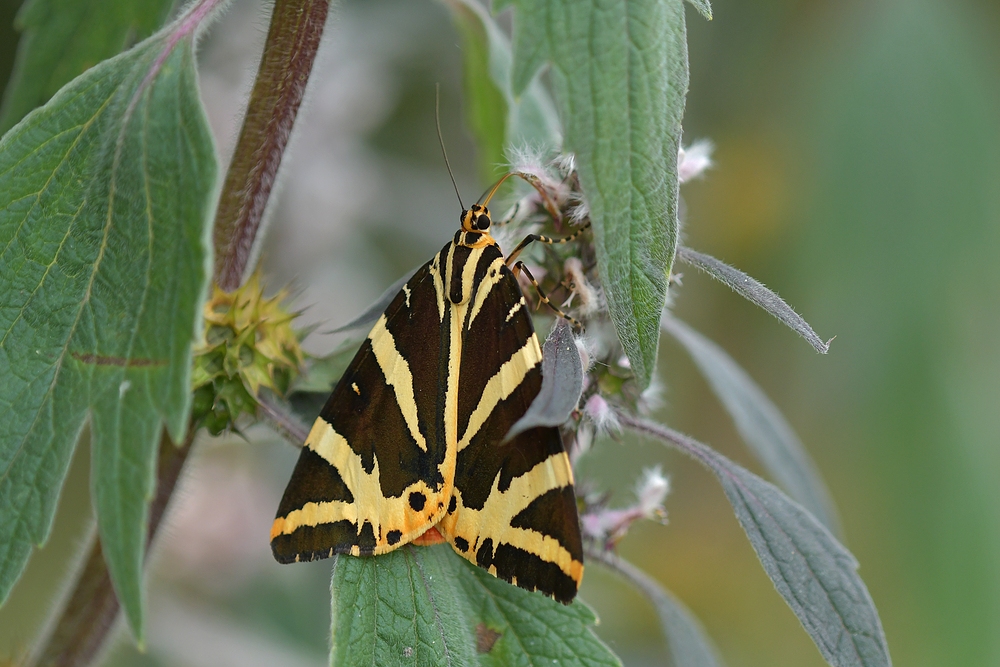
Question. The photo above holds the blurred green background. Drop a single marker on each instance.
(857, 172)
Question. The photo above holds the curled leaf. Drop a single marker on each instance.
(754, 291)
(687, 640)
(562, 383)
(371, 314)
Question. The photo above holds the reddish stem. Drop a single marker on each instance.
(91, 609)
(289, 54)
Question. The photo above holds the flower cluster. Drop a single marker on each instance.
(249, 345)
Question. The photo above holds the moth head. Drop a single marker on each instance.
(476, 219)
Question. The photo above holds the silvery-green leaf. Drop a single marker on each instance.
(370, 315)
(687, 640)
(562, 382)
(811, 570)
(754, 291)
(759, 422)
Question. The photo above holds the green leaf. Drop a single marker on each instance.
(61, 39)
(105, 199)
(704, 7)
(562, 383)
(485, 105)
(755, 292)
(429, 606)
(619, 70)
(518, 627)
(403, 608)
(812, 571)
(499, 119)
(760, 423)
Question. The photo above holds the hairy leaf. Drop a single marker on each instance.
(562, 382)
(704, 7)
(429, 606)
(689, 644)
(755, 292)
(104, 201)
(61, 39)
(528, 628)
(619, 70)
(400, 608)
(759, 422)
(812, 571)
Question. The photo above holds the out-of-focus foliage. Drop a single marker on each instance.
(62, 38)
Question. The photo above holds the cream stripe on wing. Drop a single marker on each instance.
(397, 375)
(438, 285)
(493, 520)
(493, 276)
(369, 503)
(502, 385)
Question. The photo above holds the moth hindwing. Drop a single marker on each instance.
(412, 436)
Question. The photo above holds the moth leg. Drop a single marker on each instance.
(510, 218)
(519, 266)
(531, 238)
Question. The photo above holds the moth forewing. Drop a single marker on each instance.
(376, 471)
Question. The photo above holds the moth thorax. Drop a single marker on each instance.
(476, 219)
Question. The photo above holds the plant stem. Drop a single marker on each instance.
(289, 53)
(91, 609)
(282, 420)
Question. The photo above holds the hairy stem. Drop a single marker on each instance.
(285, 423)
(90, 611)
(289, 53)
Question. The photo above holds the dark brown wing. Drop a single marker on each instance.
(374, 472)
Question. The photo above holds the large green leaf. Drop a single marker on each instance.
(619, 70)
(63, 38)
(429, 606)
(104, 207)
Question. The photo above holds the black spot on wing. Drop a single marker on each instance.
(533, 573)
(554, 514)
(417, 501)
(461, 544)
(393, 536)
(484, 556)
(366, 539)
(452, 505)
(315, 542)
(313, 481)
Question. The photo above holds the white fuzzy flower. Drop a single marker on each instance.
(650, 492)
(590, 298)
(611, 525)
(694, 160)
(602, 414)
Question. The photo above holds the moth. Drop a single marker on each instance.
(413, 436)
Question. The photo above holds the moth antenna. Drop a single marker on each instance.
(437, 121)
(492, 191)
